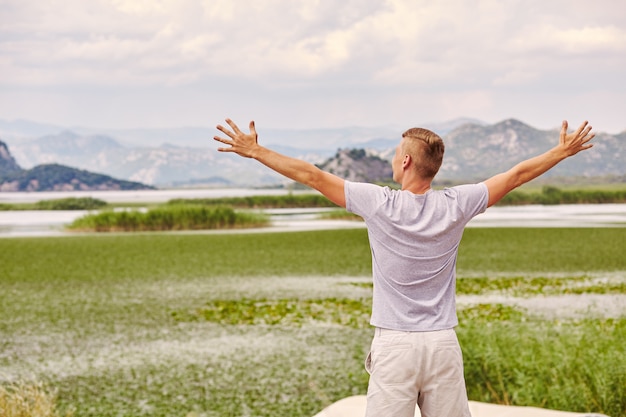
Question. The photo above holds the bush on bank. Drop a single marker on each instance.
(261, 201)
(188, 217)
(552, 195)
(548, 196)
(72, 203)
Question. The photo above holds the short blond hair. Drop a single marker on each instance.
(426, 148)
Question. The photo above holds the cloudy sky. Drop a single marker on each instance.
(312, 63)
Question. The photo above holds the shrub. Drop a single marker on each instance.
(552, 195)
(261, 201)
(181, 217)
(84, 203)
(21, 399)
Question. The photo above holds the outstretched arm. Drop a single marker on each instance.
(246, 145)
(569, 144)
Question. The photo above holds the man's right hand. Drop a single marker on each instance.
(243, 144)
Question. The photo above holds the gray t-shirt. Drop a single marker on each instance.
(414, 240)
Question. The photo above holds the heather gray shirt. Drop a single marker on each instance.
(414, 240)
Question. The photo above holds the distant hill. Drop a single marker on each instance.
(474, 151)
(7, 162)
(55, 177)
(358, 165)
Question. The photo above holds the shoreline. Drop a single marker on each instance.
(50, 223)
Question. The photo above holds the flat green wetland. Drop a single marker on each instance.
(275, 324)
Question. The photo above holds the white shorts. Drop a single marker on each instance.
(416, 368)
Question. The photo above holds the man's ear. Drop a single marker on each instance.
(406, 161)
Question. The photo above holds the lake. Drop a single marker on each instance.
(142, 196)
(51, 223)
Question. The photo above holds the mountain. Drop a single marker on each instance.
(55, 177)
(474, 151)
(165, 165)
(443, 128)
(187, 156)
(358, 165)
(18, 131)
(68, 148)
(7, 162)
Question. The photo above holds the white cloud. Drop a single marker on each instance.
(142, 7)
(572, 40)
(396, 42)
(316, 50)
(516, 77)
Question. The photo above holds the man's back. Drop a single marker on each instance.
(414, 240)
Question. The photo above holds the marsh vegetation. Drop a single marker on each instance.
(166, 324)
(170, 217)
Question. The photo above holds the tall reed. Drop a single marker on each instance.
(175, 217)
(23, 399)
(262, 201)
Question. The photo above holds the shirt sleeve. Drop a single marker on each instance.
(363, 199)
(472, 199)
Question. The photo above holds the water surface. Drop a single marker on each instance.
(52, 223)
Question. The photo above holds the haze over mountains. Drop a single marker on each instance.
(188, 156)
(55, 177)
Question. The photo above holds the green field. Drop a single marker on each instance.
(275, 324)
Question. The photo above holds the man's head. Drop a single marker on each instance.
(425, 149)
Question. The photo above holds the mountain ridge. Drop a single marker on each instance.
(474, 151)
(8, 164)
(55, 177)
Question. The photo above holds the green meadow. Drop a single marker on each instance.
(197, 324)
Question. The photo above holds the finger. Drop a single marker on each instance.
(586, 131)
(589, 137)
(564, 128)
(252, 128)
(225, 149)
(225, 131)
(225, 141)
(219, 139)
(582, 127)
(233, 126)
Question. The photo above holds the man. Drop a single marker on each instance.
(414, 235)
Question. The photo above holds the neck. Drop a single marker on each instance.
(417, 187)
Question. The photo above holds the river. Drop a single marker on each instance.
(51, 223)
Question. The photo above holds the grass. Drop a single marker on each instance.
(571, 365)
(273, 324)
(552, 195)
(536, 285)
(542, 250)
(27, 399)
(287, 312)
(340, 214)
(261, 201)
(70, 203)
(174, 217)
